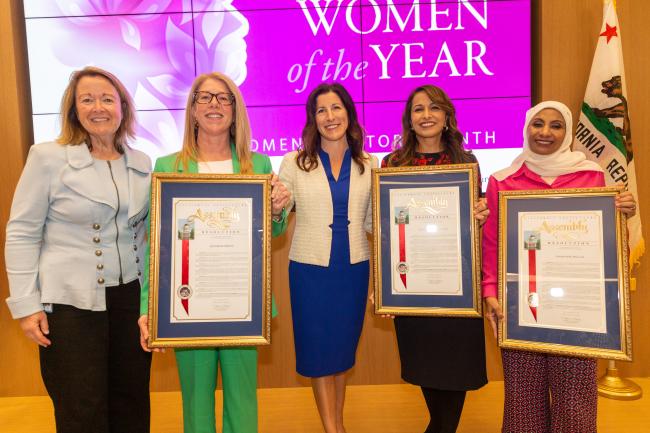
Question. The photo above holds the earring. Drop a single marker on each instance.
(446, 127)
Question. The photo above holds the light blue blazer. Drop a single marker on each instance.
(62, 223)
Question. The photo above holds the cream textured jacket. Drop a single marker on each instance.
(312, 238)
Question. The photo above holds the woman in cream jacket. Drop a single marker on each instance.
(329, 181)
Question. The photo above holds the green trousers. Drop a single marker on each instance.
(197, 370)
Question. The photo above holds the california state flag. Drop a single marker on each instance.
(603, 132)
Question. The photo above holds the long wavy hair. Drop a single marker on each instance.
(73, 133)
(452, 139)
(307, 159)
(240, 129)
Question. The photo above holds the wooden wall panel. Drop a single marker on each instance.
(563, 45)
(19, 368)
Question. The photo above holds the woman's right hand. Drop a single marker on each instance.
(36, 328)
(493, 313)
(143, 324)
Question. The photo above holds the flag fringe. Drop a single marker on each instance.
(636, 253)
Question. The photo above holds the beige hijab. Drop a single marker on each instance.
(562, 161)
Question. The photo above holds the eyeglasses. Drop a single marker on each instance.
(203, 97)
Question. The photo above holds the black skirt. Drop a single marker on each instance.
(445, 353)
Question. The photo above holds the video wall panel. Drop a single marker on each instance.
(278, 50)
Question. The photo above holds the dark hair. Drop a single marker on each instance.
(452, 138)
(307, 159)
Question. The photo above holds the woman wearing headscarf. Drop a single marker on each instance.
(531, 379)
(217, 140)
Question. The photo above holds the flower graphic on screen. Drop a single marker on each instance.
(156, 47)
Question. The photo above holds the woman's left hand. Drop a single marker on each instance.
(481, 211)
(371, 298)
(280, 196)
(493, 313)
(626, 203)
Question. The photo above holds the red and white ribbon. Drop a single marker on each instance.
(532, 282)
(185, 268)
(402, 253)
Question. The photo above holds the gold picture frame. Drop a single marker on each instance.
(238, 208)
(458, 185)
(579, 251)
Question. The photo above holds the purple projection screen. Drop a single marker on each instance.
(278, 50)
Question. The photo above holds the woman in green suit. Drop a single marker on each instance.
(217, 140)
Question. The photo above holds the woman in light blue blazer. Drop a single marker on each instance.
(75, 239)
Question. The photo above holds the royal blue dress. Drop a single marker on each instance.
(328, 303)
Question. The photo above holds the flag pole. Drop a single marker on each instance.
(612, 385)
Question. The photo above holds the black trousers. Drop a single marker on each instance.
(95, 371)
(445, 408)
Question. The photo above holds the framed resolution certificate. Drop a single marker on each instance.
(210, 262)
(426, 241)
(563, 273)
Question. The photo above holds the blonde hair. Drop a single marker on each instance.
(72, 132)
(240, 130)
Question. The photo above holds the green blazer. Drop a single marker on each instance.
(167, 164)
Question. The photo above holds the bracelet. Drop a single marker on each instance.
(278, 218)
